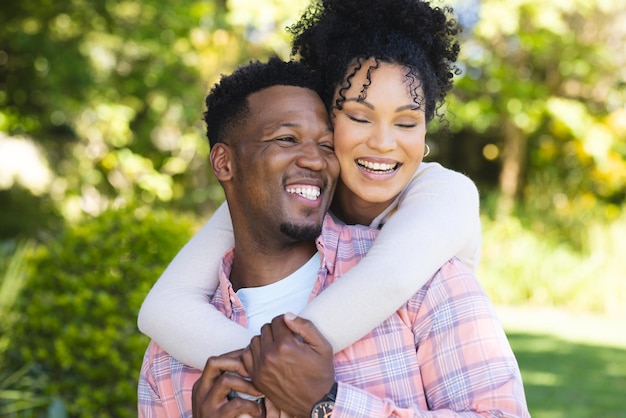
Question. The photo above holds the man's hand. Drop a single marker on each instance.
(220, 376)
(292, 363)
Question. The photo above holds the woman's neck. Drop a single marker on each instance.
(353, 210)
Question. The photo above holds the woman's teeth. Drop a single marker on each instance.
(377, 167)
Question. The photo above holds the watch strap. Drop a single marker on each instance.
(332, 394)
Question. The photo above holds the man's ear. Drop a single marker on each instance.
(221, 161)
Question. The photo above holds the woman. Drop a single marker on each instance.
(427, 214)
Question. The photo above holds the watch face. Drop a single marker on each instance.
(323, 409)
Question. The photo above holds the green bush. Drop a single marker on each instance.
(519, 266)
(20, 391)
(80, 306)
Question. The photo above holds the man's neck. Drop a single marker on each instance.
(254, 266)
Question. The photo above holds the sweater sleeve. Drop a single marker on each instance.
(176, 313)
(437, 217)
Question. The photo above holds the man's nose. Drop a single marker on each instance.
(312, 156)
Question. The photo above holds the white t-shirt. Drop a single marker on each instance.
(290, 294)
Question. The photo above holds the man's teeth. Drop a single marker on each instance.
(311, 193)
(377, 166)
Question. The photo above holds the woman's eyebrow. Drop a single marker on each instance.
(411, 106)
(361, 101)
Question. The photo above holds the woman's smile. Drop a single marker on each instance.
(379, 134)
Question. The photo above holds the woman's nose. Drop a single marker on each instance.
(382, 139)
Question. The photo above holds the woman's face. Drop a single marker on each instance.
(379, 140)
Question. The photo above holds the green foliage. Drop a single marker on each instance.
(540, 110)
(80, 306)
(519, 266)
(114, 92)
(20, 392)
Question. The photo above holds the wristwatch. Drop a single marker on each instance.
(324, 408)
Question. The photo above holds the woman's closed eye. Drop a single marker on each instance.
(409, 122)
(357, 119)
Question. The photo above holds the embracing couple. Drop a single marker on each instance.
(337, 279)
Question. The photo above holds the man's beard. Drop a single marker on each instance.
(301, 233)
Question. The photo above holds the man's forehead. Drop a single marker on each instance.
(282, 92)
(286, 106)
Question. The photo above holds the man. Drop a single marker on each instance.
(272, 153)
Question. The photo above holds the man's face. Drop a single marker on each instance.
(284, 165)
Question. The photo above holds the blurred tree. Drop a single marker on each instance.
(112, 92)
(539, 111)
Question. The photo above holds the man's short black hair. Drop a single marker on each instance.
(227, 104)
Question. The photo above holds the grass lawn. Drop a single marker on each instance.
(573, 365)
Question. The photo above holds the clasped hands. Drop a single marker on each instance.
(290, 362)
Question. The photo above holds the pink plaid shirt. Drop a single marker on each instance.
(443, 353)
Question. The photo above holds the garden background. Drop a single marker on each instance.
(104, 176)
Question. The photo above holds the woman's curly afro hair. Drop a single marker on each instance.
(333, 35)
